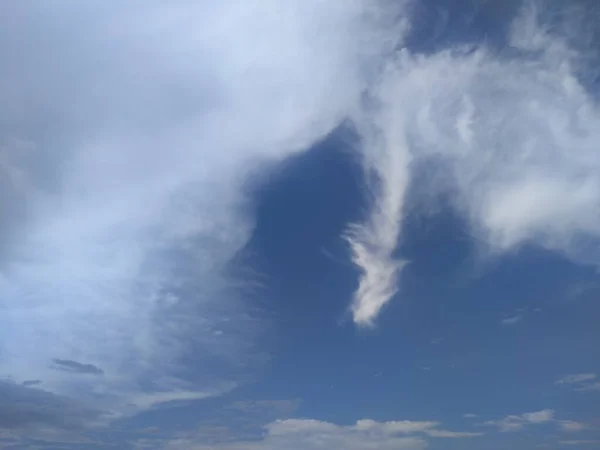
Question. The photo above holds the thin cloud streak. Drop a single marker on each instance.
(514, 423)
(512, 320)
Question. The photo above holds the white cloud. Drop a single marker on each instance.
(543, 416)
(591, 387)
(581, 381)
(514, 423)
(571, 426)
(518, 422)
(511, 320)
(141, 121)
(451, 434)
(309, 434)
(576, 378)
(516, 134)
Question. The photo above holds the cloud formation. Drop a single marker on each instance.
(27, 410)
(512, 320)
(76, 367)
(309, 434)
(581, 381)
(571, 426)
(513, 423)
(126, 133)
(513, 133)
(518, 422)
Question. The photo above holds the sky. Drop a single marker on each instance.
(300, 225)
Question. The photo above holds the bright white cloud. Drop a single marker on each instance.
(127, 130)
(516, 135)
(308, 434)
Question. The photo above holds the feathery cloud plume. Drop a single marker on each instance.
(515, 133)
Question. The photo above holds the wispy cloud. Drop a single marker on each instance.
(76, 367)
(452, 434)
(577, 378)
(580, 442)
(516, 135)
(513, 423)
(518, 422)
(25, 411)
(126, 134)
(308, 434)
(591, 387)
(571, 426)
(581, 381)
(512, 320)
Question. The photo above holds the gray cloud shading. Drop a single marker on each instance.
(27, 409)
(75, 367)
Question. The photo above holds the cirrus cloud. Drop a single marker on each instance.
(514, 134)
(126, 134)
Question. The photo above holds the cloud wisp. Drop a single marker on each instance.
(514, 423)
(513, 320)
(581, 381)
(518, 422)
(514, 133)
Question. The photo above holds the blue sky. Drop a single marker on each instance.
(304, 225)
